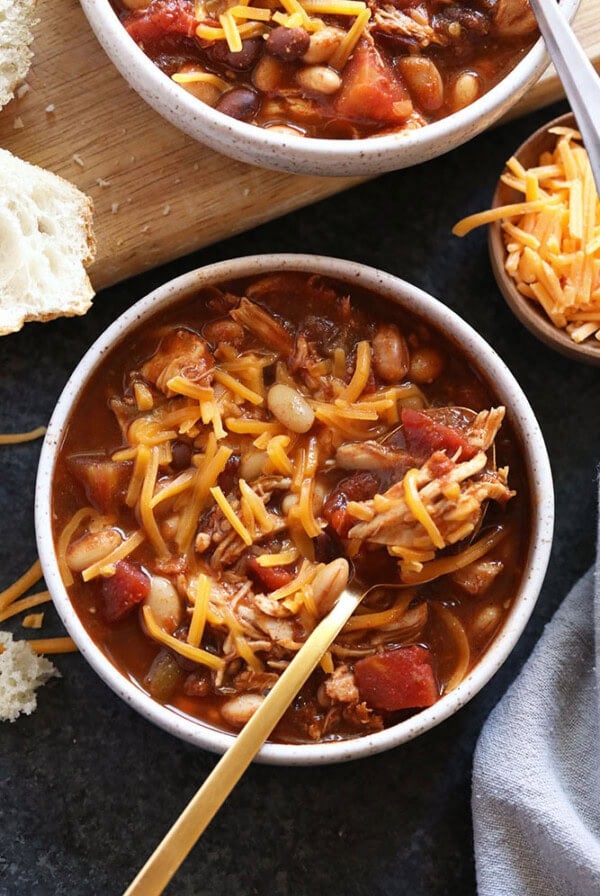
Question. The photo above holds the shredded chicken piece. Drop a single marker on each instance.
(181, 353)
(341, 686)
(477, 577)
(455, 518)
(482, 431)
(269, 330)
(513, 18)
(371, 455)
(390, 20)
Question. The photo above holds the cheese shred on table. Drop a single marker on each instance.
(552, 238)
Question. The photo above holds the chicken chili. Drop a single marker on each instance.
(333, 68)
(244, 457)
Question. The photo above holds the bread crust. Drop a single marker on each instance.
(17, 20)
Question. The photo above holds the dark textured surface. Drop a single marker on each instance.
(87, 788)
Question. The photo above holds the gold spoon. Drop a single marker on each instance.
(193, 821)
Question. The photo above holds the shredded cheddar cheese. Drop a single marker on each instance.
(230, 515)
(196, 654)
(18, 438)
(23, 583)
(106, 566)
(283, 558)
(418, 509)
(552, 239)
(199, 613)
(26, 603)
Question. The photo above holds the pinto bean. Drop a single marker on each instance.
(319, 79)
(391, 358)
(426, 364)
(287, 43)
(206, 91)
(322, 45)
(329, 583)
(290, 408)
(241, 103)
(268, 73)
(91, 548)
(241, 708)
(423, 80)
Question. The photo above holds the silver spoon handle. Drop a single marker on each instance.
(579, 79)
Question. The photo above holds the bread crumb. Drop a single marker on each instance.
(166, 210)
(21, 673)
(18, 123)
(145, 228)
(102, 183)
(50, 108)
(246, 191)
(22, 90)
(78, 160)
(114, 208)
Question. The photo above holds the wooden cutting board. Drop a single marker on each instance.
(158, 194)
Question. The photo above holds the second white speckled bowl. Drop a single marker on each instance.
(299, 155)
(474, 347)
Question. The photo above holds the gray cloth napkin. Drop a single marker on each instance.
(536, 774)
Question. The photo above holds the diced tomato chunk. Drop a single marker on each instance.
(424, 435)
(270, 577)
(372, 90)
(401, 678)
(358, 487)
(102, 479)
(160, 19)
(125, 589)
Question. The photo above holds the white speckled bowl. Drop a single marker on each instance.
(508, 392)
(344, 158)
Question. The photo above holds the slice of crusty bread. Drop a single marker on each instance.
(21, 673)
(17, 18)
(46, 242)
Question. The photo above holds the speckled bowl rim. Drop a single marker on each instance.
(415, 300)
(315, 156)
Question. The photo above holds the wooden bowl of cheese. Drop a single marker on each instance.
(545, 248)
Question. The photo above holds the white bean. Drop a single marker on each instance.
(284, 129)
(329, 583)
(319, 79)
(91, 548)
(252, 464)
(323, 45)
(486, 621)
(290, 408)
(465, 90)
(240, 709)
(165, 603)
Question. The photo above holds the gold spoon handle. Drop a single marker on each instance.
(170, 853)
